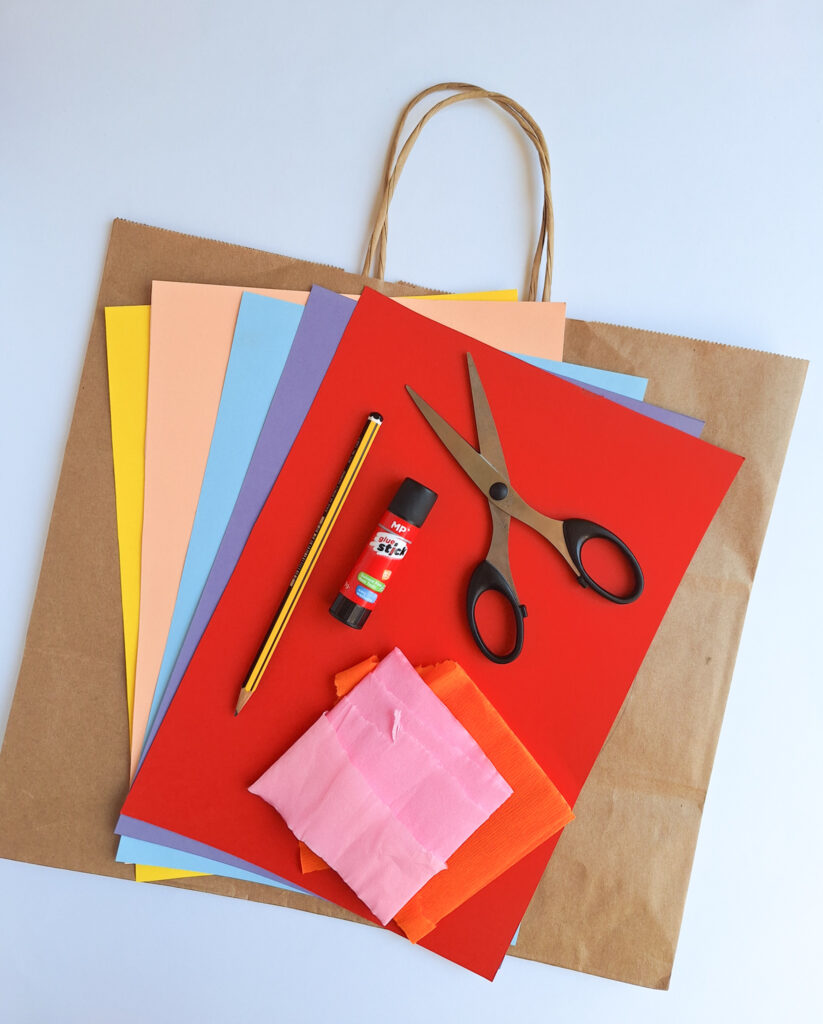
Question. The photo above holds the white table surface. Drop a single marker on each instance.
(686, 152)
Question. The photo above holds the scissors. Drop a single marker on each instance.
(487, 470)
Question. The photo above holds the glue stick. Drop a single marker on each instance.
(389, 545)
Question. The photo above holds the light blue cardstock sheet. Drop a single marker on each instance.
(609, 380)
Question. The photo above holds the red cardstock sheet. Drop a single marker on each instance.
(570, 454)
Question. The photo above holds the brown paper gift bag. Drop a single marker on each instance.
(611, 900)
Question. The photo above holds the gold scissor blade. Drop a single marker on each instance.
(488, 438)
(478, 469)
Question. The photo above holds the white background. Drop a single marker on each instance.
(686, 152)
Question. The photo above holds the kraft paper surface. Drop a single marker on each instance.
(612, 901)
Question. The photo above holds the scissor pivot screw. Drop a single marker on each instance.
(498, 491)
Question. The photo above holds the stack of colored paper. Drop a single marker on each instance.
(435, 798)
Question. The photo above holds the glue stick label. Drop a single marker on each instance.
(380, 559)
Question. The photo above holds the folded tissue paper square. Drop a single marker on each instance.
(534, 812)
(385, 786)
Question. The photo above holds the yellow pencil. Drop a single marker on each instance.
(310, 556)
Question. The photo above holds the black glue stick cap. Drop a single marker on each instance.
(413, 502)
(349, 613)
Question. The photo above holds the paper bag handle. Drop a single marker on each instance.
(394, 166)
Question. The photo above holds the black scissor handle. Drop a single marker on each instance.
(576, 532)
(488, 577)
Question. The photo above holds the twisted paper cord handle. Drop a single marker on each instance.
(396, 161)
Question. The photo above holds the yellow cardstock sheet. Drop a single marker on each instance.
(127, 352)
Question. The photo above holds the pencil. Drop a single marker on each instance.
(310, 556)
